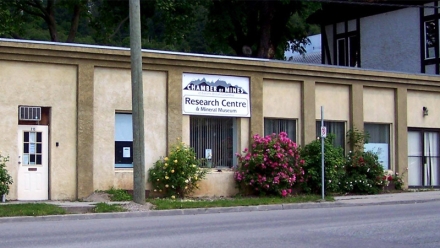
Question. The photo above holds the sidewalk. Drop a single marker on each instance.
(340, 201)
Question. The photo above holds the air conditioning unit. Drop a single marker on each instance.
(27, 113)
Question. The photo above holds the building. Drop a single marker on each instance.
(382, 35)
(66, 114)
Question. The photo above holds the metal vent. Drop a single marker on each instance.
(26, 113)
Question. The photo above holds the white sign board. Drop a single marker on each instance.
(126, 152)
(323, 132)
(215, 95)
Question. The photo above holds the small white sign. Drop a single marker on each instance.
(208, 153)
(126, 152)
(323, 132)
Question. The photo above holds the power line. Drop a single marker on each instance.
(397, 5)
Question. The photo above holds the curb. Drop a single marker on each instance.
(197, 211)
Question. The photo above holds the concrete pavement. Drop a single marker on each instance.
(340, 201)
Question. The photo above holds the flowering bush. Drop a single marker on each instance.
(334, 170)
(272, 167)
(5, 178)
(178, 174)
(395, 178)
(364, 173)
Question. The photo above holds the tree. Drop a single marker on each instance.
(258, 28)
(47, 10)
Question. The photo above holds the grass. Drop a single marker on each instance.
(162, 204)
(30, 209)
(119, 195)
(107, 208)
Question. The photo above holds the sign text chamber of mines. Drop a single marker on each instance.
(215, 95)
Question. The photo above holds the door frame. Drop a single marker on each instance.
(44, 167)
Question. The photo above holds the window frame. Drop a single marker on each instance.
(388, 128)
(294, 127)
(120, 143)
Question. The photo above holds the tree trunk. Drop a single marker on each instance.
(74, 23)
(265, 49)
(50, 20)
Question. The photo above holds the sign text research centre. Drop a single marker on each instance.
(215, 95)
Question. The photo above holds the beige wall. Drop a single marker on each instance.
(282, 100)
(217, 184)
(416, 101)
(46, 85)
(113, 94)
(378, 105)
(335, 99)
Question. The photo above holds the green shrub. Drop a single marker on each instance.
(364, 173)
(119, 195)
(178, 174)
(271, 168)
(334, 171)
(5, 178)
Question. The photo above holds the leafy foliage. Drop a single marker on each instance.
(178, 174)
(119, 195)
(272, 167)
(334, 170)
(5, 178)
(364, 173)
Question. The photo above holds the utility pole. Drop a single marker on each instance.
(137, 103)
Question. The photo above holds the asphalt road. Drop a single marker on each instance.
(402, 225)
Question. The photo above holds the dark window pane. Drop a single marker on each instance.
(38, 159)
(39, 148)
(32, 158)
(280, 125)
(341, 52)
(26, 137)
(26, 148)
(336, 128)
(353, 51)
(39, 137)
(430, 39)
(119, 152)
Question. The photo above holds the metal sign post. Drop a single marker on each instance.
(323, 135)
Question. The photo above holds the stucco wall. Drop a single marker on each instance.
(378, 105)
(113, 94)
(281, 99)
(217, 184)
(391, 41)
(416, 101)
(46, 85)
(335, 100)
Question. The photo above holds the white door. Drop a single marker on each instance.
(33, 172)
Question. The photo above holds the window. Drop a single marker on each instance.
(347, 51)
(123, 140)
(423, 158)
(336, 128)
(341, 52)
(379, 142)
(280, 125)
(430, 39)
(353, 51)
(213, 139)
